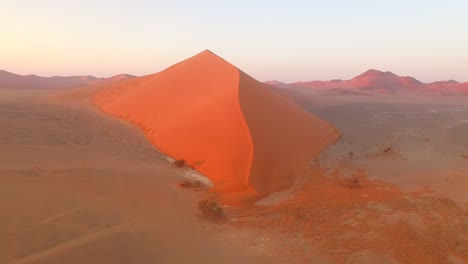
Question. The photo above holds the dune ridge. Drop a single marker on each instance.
(379, 82)
(10, 80)
(248, 140)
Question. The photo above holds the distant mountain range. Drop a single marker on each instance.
(374, 81)
(369, 83)
(16, 81)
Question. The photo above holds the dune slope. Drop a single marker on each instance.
(245, 138)
(284, 136)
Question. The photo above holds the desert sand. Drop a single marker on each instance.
(79, 185)
(248, 140)
(393, 189)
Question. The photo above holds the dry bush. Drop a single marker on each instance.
(210, 209)
(191, 184)
(352, 182)
(179, 163)
(355, 180)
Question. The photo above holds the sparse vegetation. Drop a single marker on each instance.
(351, 155)
(210, 209)
(180, 163)
(352, 182)
(387, 149)
(355, 180)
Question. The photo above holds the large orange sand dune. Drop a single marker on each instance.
(248, 140)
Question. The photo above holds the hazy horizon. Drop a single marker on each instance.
(270, 40)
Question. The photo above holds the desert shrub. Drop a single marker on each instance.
(191, 184)
(351, 155)
(387, 149)
(210, 209)
(179, 163)
(352, 182)
(355, 180)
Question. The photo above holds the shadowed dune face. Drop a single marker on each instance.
(245, 138)
(285, 137)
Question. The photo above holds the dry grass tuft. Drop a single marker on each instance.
(211, 209)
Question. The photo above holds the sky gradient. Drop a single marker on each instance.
(283, 40)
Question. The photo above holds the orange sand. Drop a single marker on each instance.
(246, 139)
(336, 221)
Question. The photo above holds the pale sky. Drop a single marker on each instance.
(294, 40)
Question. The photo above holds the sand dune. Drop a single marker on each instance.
(447, 87)
(15, 81)
(277, 84)
(245, 138)
(381, 83)
(284, 136)
(371, 80)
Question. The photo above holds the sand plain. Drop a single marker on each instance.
(80, 186)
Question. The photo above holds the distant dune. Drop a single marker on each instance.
(380, 82)
(277, 84)
(15, 81)
(333, 92)
(247, 139)
(447, 87)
